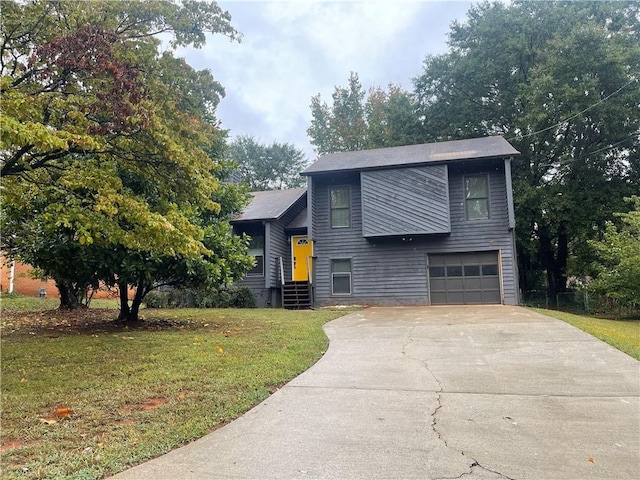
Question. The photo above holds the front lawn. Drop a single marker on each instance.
(622, 334)
(84, 397)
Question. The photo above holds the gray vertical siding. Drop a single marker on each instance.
(280, 246)
(393, 270)
(311, 220)
(412, 200)
(276, 245)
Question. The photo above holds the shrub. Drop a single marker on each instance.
(243, 297)
(235, 297)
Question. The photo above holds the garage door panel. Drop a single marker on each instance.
(490, 283)
(473, 284)
(472, 298)
(439, 298)
(464, 278)
(490, 297)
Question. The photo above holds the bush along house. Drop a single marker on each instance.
(429, 224)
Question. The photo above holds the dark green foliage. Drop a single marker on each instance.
(357, 121)
(234, 297)
(267, 167)
(560, 81)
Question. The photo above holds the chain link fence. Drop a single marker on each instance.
(578, 301)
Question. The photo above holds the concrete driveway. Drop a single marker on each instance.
(436, 393)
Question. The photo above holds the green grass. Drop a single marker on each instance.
(622, 334)
(137, 393)
(19, 303)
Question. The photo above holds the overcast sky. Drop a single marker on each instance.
(291, 51)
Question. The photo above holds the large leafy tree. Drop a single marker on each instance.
(359, 120)
(108, 148)
(561, 81)
(618, 258)
(267, 167)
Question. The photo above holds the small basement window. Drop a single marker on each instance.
(341, 277)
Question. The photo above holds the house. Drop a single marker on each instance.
(276, 221)
(427, 224)
(415, 225)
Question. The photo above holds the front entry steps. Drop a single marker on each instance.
(296, 295)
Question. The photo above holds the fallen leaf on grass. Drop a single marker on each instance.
(591, 460)
(48, 421)
(219, 350)
(63, 412)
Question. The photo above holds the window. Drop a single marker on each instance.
(256, 250)
(476, 197)
(339, 206)
(436, 272)
(341, 277)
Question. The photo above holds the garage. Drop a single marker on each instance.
(464, 278)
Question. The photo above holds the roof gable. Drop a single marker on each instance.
(270, 205)
(475, 148)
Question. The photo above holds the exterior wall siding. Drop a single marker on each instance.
(405, 201)
(393, 270)
(267, 288)
(280, 246)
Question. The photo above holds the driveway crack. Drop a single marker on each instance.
(474, 464)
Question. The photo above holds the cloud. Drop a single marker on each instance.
(294, 50)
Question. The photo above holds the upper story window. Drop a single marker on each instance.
(339, 198)
(476, 197)
(256, 250)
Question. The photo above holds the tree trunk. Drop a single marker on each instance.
(547, 259)
(554, 260)
(561, 259)
(132, 313)
(70, 295)
(125, 311)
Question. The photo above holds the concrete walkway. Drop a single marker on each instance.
(436, 393)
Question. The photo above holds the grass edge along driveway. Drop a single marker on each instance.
(89, 401)
(621, 334)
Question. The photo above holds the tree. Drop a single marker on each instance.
(357, 121)
(110, 151)
(341, 127)
(560, 81)
(267, 167)
(618, 264)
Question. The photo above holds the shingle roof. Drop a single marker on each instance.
(299, 222)
(270, 205)
(475, 148)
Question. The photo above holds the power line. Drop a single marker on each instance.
(575, 115)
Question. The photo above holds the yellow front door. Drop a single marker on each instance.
(301, 253)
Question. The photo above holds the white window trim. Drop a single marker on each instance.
(464, 195)
(349, 274)
(348, 208)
